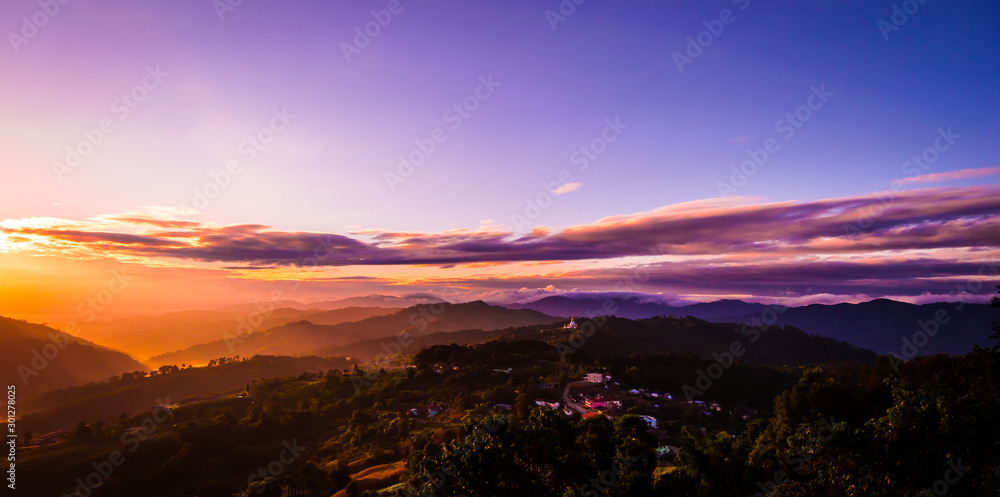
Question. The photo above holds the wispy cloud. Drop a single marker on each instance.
(568, 187)
(925, 241)
(938, 218)
(951, 175)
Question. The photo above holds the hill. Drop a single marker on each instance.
(38, 358)
(137, 392)
(879, 325)
(145, 336)
(374, 300)
(622, 305)
(769, 345)
(347, 314)
(772, 345)
(637, 306)
(306, 337)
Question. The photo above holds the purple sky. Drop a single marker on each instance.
(831, 103)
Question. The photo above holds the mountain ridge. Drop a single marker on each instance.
(305, 337)
(879, 324)
(40, 358)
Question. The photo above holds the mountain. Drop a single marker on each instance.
(37, 359)
(723, 311)
(635, 306)
(879, 325)
(376, 301)
(773, 345)
(882, 325)
(145, 336)
(346, 314)
(625, 305)
(638, 306)
(306, 337)
(135, 393)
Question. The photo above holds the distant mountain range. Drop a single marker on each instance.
(306, 337)
(886, 325)
(773, 345)
(37, 358)
(145, 336)
(636, 306)
(880, 325)
(374, 300)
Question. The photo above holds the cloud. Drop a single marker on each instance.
(963, 221)
(568, 187)
(951, 175)
(804, 280)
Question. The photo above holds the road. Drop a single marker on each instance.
(578, 407)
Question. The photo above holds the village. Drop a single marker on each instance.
(597, 394)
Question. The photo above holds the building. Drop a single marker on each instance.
(547, 403)
(430, 411)
(595, 377)
(571, 325)
(651, 421)
(602, 402)
(667, 451)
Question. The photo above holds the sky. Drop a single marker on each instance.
(170, 155)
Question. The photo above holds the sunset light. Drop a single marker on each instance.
(533, 247)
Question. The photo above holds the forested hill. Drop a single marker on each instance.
(135, 392)
(37, 358)
(610, 335)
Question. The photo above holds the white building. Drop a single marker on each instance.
(595, 377)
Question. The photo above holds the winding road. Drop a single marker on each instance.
(578, 407)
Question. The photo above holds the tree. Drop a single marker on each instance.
(81, 430)
(167, 369)
(523, 405)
